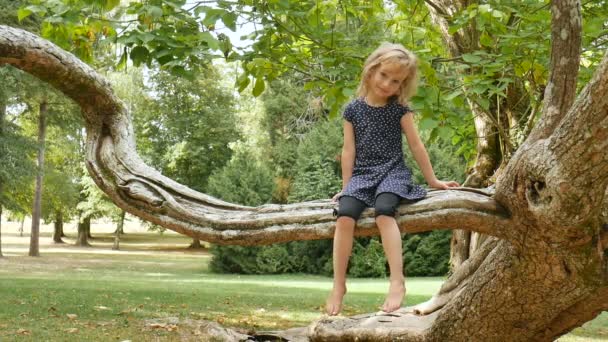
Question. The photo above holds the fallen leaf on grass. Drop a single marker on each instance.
(23, 332)
(163, 326)
(72, 317)
(71, 330)
(102, 308)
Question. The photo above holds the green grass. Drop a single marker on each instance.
(112, 295)
(79, 294)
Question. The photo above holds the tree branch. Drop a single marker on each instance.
(566, 32)
(137, 188)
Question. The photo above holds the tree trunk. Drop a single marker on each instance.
(58, 227)
(196, 244)
(121, 223)
(119, 230)
(88, 231)
(37, 209)
(83, 227)
(545, 271)
(21, 226)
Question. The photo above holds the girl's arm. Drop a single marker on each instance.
(420, 154)
(348, 155)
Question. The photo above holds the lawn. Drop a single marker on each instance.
(95, 294)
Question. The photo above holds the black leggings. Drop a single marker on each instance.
(386, 204)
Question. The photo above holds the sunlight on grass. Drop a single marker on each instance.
(88, 294)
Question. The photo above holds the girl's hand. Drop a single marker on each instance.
(437, 184)
(336, 196)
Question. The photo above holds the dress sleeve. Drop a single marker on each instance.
(348, 113)
(403, 109)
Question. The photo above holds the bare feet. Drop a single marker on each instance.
(333, 305)
(396, 291)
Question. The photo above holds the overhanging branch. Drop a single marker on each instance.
(139, 189)
(566, 32)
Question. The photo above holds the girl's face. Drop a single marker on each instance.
(386, 80)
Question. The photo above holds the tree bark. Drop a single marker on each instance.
(37, 209)
(119, 230)
(21, 224)
(83, 226)
(488, 156)
(121, 223)
(546, 274)
(196, 244)
(58, 227)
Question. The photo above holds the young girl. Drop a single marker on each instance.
(374, 173)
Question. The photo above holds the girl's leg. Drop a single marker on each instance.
(343, 244)
(350, 209)
(386, 205)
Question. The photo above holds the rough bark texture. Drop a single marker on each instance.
(83, 235)
(58, 227)
(119, 230)
(489, 155)
(544, 263)
(566, 33)
(37, 209)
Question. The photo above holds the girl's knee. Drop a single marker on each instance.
(350, 207)
(386, 204)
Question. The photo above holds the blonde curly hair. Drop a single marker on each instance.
(392, 53)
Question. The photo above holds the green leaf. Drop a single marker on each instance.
(179, 70)
(428, 124)
(155, 11)
(453, 95)
(469, 58)
(259, 87)
(139, 55)
(486, 40)
(23, 13)
(445, 132)
(348, 92)
(229, 19)
(146, 37)
(111, 4)
(242, 82)
(122, 63)
(210, 40)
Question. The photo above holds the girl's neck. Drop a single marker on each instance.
(375, 101)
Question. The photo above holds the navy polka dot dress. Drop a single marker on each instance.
(379, 164)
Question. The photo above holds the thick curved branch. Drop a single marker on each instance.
(139, 189)
(566, 32)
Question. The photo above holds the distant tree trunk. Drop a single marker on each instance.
(83, 228)
(119, 230)
(36, 211)
(58, 229)
(196, 243)
(21, 224)
(121, 223)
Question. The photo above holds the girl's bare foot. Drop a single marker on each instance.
(396, 291)
(333, 305)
